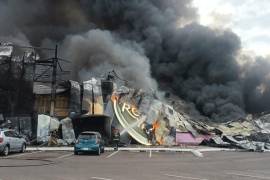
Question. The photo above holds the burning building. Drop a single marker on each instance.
(166, 49)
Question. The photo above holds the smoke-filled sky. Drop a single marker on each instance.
(249, 19)
(154, 44)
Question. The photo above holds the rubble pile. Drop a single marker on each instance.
(153, 122)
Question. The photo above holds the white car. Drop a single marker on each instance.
(11, 141)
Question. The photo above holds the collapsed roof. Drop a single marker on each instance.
(151, 121)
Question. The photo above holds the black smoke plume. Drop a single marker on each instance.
(143, 39)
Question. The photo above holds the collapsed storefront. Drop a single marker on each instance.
(99, 105)
(152, 122)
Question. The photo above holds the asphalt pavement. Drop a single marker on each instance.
(124, 165)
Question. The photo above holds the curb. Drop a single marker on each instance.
(195, 152)
(198, 152)
(137, 149)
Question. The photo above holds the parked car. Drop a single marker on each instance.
(89, 141)
(11, 141)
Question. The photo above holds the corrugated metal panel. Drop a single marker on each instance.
(41, 88)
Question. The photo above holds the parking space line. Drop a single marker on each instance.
(247, 175)
(64, 156)
(100, 178)
(23, 154)
(112, 154)
(184, 177)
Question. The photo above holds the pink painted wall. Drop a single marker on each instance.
(188, 138)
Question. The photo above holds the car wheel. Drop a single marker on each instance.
(99, 151)
(102, 150)
(6, 150)
(75, 152)
(23, 148)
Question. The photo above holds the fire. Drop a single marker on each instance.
(114, 98)
(156, 126)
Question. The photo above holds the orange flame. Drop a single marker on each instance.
(114, 98)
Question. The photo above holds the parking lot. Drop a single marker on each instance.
(122, 165)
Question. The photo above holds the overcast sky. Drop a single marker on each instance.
(250, 19)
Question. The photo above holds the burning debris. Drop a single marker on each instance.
(153, 122)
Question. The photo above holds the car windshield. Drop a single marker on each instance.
(87, 136)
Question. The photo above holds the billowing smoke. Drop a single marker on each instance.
(144, 38)
(37, 20)
(256, 84)
(96, 52)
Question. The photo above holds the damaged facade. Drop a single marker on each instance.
(103, 105)
(81, 104)
(142, 117)
(67, 98)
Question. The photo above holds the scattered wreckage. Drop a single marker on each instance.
(152, 122)
(142, 117)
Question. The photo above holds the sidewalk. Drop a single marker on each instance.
(196, 151)
(141, 149)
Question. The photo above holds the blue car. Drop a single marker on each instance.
(89, 141)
